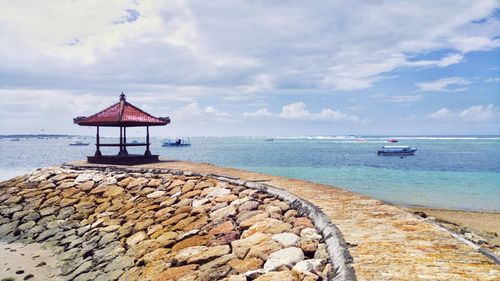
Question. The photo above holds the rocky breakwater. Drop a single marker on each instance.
(123, 225)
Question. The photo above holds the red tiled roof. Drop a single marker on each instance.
(122, 114)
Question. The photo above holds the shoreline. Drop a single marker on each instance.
(480, 227)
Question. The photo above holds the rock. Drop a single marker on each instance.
(308, 247)
(209, 254)
(253, 220)
(310, 234)
(285, 257)
(89, 276)
(167, 238)
(263, 250)
(136, 238)
(84, 178)
(186, 253)
(65, 212)
(86, 186)
(113, 190)
(287, 239)
(239, 277)
(269, 225)
(156, 194)
(275, 276)
(196, 240)
(199, 202)
(26, 226)
(218, 192)
(305, 222)
(84, 267)
(68, 201)
(242, 266)
(313, 266)
(143, 224)
(248, 206)
(122, 263)
(142, 248)
(136, 182)
(242, 246)
(223, 213)
(175, 273)
(321, 252)
(223, 228)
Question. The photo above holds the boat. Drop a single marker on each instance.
(392, 140)
(389, 150)
(269, 139)
(79, 143)
(176, 142)
(14, 139)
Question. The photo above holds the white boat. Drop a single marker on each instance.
(393, 150)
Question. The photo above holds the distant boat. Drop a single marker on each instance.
(176, 142)
(389, 150)
(269, 139)
(134, 141)
(14, 139)
(79, 143)
(392, 140)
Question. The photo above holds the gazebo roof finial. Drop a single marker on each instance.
(122, 97)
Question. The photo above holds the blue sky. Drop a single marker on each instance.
(254, 67)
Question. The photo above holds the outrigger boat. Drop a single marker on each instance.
(396, 150)
(176, 142)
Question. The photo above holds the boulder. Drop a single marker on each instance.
(286, 257)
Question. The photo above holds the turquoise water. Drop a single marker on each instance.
(446, 172)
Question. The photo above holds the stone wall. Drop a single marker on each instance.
(137, 224)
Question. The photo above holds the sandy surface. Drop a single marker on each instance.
(19, 261)
(484, 224)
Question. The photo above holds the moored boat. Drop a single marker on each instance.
(389, 150)
(392, 140)
(176, 142)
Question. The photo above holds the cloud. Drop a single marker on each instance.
(443, 62)
(299, 111)
(241, 47)
(477, 113)
(261, 113)
(451, 84)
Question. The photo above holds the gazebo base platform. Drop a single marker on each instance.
(130, 159)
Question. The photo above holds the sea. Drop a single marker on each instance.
(446, 171)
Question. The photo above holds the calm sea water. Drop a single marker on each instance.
(446, 172)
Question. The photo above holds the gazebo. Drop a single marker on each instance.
(123, 115)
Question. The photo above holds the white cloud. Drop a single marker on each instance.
(299, 111)
(242, 47)
(443, 62)
(451, 84)
(474, 43)
(261, 113)
(477, 113)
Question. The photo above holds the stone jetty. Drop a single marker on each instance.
(119, 224)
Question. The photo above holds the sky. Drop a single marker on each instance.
(254, 68)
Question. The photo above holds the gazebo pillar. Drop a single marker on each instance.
(123, 151)
(98, 151)
(147, 152)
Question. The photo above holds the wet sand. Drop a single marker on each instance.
(482, 225)
(32, 262)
